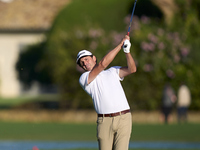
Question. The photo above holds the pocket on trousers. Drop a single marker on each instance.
(126, 116)
(99, 120)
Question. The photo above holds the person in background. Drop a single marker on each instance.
(184, 100)
(168, 99)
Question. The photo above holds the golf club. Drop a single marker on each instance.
(131, 17)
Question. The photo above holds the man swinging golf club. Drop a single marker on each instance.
(114, 122)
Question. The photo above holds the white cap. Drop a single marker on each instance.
(83, 53)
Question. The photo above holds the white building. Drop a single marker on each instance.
(22, 22)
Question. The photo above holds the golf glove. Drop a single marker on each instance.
(126, 46)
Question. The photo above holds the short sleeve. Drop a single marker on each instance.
(116, 70)
(83, 79)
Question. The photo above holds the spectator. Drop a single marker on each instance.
(168, 100)
(184, 100)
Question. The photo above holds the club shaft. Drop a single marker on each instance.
(131, 17)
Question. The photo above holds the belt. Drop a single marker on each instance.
(114, 114)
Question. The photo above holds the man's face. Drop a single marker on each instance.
(88, 62)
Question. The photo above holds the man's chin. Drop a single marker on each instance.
(87, 69)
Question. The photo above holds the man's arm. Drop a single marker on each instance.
(130, 68)
(107, 59)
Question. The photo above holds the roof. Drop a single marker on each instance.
(29, 14)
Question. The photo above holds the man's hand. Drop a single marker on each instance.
(126, 46)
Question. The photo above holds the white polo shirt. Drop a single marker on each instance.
(106, 91)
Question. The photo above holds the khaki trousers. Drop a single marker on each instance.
(113, 133)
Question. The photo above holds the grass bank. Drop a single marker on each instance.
(37, 115)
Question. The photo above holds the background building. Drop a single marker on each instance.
(23, 22)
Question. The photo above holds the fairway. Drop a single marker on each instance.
(142, 134)
(87, 132)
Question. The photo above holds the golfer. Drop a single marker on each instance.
(114, 122)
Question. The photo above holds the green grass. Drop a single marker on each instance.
(46, 131)
(17, 131)
(87, 132)
(174, 132)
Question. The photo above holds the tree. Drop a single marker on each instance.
(164, 52)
